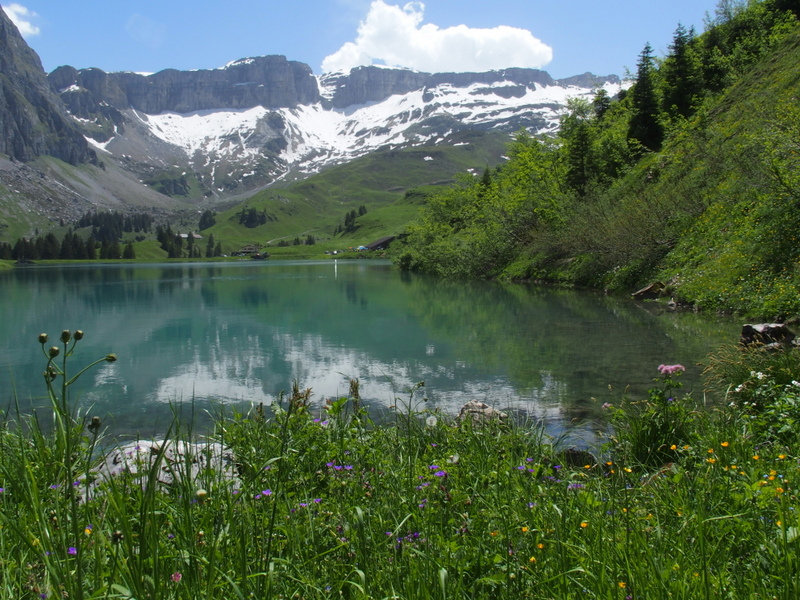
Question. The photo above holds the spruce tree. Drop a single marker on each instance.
(683, 81)
(645, 126)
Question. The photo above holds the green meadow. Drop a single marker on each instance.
(682, 500)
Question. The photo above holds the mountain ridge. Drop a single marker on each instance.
(187, 140)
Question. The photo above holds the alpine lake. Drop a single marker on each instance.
(198, 339)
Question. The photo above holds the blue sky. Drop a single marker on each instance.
(566, 37)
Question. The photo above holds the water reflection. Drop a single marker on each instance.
(243, 332)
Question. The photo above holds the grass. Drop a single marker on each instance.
(330, 505)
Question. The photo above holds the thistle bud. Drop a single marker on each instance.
(43, 338)
(53, 352)
(66, 336)
(78, 335)
(111, 358)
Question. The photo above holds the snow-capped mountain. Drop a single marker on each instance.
(262, 119)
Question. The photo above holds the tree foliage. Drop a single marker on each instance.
(690, 176)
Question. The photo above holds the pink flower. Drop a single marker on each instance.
(176, 577)
(670, 369)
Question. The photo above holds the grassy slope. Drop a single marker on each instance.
(378, 181)
(706, 214)
(742, 252)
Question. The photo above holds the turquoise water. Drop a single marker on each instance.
(197, 336)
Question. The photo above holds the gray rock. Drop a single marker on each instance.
(766, 334)
(176, 460)
(480, 413)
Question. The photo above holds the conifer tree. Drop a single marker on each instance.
(682, 75)
(645, 126)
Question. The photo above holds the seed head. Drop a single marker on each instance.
(54, 350)
(94, 426)
(78, 335)
(42, 338)
(66, 336)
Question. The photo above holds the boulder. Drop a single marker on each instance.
(178, 460)
(480, 413)
(766, 334)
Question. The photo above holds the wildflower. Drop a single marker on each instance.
(711, 460)
(540, 546)
(673, 447)
(440, 473)
(431, 421)
(72, 550)
(607, 405)
(782, 456)
(494, 533)
(575, 486)
(87, 530)
(584, 524)
(725, 444)
(779, 490)
(267, 492)
(524, 530)
(756, 457)
(532, 559)
(201, 494)
(670, 369)
(622, 584)
(176, 577)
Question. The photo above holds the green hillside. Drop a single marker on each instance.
(690, 179)
(390, 184)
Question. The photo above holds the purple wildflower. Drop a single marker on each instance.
(670, 369)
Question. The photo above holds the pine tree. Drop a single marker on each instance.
(645, 126)
(682, 76)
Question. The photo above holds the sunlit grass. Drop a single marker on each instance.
(328, 504)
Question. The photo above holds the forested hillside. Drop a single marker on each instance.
(690, 177)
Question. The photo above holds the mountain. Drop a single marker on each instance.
(175, 141)
(33, 121)
(260, 120)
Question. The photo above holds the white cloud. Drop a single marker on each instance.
(21, 17)
(397, 37)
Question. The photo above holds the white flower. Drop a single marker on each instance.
(431, 421)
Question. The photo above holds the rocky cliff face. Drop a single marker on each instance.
(257, 120)
(33, 121)
(268, 81)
